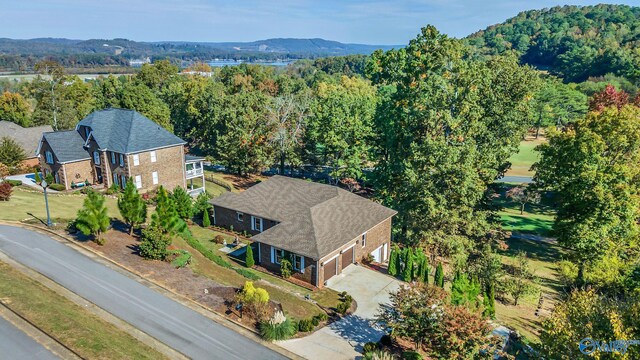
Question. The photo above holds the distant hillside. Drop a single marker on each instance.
(574, 42)
(22, 54)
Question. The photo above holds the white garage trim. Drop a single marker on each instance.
(347, 248)
(329, 259)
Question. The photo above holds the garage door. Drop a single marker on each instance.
(347, 258)
(377, 254)
(330, 269)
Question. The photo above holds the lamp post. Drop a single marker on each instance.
(46, 201)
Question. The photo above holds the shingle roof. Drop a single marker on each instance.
(127, 131)
(314, 219)
(27, 138)
(67, 145)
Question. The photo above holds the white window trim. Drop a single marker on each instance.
(154, 177)
(96, 157)
(153, 156)
(363, 239)
(253, 224)
(138, 180)
(136, 160)
(239, 216)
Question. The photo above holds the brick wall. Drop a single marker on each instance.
(310, 265)
(76, 172)
(227, 217)
(54, 168)
(169, 164)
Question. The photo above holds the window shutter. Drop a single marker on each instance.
(273, 255)
(302, 264)
(253, 223)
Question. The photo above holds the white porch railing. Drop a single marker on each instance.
(194, 173)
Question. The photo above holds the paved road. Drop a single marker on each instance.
(516, 179)
(16, 345)
(172, 323)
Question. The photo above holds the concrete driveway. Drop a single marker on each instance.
(344, 339)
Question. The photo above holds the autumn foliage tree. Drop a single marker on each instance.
(608, 97)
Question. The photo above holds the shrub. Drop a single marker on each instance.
(14, 182)
(285, 268)
(367, 259)
(57, 187)
(379, 355)
(278, 327)
(568, 272)
(247, 273)
(154, 244)
(305, 325)
(206, 219)
(36, 178)
(343, 307)
(411, 355)
(100, 241)
(315, 321)
(250, 294)
(5, 191)
(206, 252)
(218, 239)
(49, 179)
(322, 316)
(249, 260)
(182, 259)
(369, 347)
(386, 340)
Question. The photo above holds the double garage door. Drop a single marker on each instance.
(331, 267)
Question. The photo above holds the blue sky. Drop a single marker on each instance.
(356, 21)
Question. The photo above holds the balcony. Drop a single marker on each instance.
(193, 173)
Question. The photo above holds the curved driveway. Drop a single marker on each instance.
(170, 322)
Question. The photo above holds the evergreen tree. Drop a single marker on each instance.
(249, 260)
(439, 276)
(166, 217)
(393, 260)
(37, 178)
(407, 272)
(206, 218)
(155, 243)
(489, 301)
(473, 291)
(459, 288)
(183, 203)
(92, 218)
(132, 207)
(418, 260)
(424, 273)
(202, 207)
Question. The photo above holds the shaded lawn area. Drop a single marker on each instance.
(213, 189)
(69, 323)
(288, 294)
(61, 206)
(237, 183)
(536, 218)
(542, 258)
(525, 157)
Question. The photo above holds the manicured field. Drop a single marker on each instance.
(521, 162)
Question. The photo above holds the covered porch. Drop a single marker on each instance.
(194, 173)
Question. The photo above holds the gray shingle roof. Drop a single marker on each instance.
(315, 219)
(27, 138)
(67, 145)
(127, 131)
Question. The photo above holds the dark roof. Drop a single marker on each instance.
(188, 158)
(67, 145)
(127, 131)
(27, 138)
(315, 219)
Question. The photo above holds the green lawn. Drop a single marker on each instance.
(29, 204)
(69, 323)
(280, 290)
(536, 219)
(521, 161)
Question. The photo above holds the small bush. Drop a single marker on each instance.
(14, 182)
(305, 325)
(342, 294)
(315, 321)
(322, 316)
(367, 259)
(278, 327)
(100, 241)
(369, 347)
(5, 191)
(348, 298)
(154, 244)
(219, 239)
(386, 340)
(285, 268)
(379, 355)
(411, 355)
(247, 273)
(343, 307)
(57, 187)
(49, 179)
(182, 259)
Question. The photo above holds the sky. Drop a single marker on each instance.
(353, 21)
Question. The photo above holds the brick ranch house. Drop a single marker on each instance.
(27, 138)
(321, 228)
(110, 146)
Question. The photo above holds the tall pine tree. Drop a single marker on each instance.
(132, 207)
(407, 272)
(393, 260)
(439, 276)
(166, 217)
(92, 218)
(249, 260)
(183, 203)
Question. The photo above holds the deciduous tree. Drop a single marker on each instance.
(11, 153)
(14, 108)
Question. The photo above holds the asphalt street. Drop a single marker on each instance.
(170, 322)
(16, 345)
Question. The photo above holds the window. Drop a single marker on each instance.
(363, 239)
(298, 263)
(115, 179)
(136, 160)
(49, 157)
(153, 156)
(124, 180)
(113, 157)
(154, 175)
(279, 255)
(256, 224)
(121, 160)
(240, 216)
(138, 181)
(96, 157)
(86, 132)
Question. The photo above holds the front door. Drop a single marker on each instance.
(98, 175)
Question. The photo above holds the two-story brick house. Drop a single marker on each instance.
(321, 228)
(110, 146)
